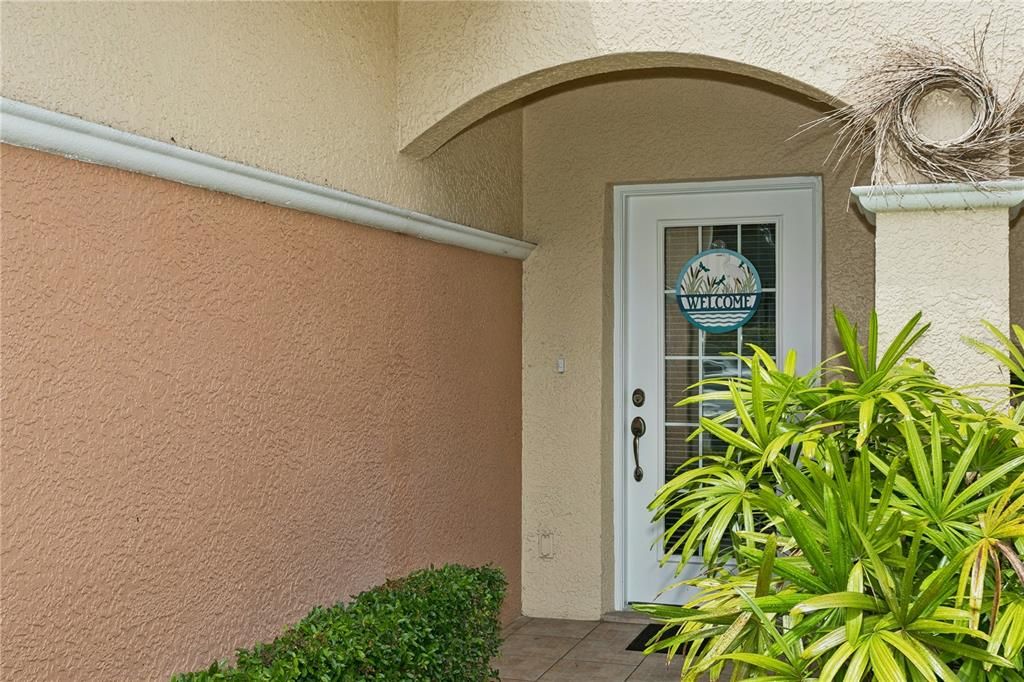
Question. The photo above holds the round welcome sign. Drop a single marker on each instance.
(718, 290)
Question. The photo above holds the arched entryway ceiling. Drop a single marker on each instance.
(461, 61)
(485, 103)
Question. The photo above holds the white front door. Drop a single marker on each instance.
(775, 223)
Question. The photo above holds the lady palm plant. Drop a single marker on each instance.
(864, 521)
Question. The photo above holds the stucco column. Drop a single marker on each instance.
(943, 249)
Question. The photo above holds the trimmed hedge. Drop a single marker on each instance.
(437, 624)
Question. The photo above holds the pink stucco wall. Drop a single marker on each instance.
(218, 413)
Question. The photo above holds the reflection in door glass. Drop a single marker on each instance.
(718, 237)
(691, 355)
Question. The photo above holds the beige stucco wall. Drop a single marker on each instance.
(577, 143)
(329, 92)
(510, 49)
(218, 413)
(953, 265)
(1017, 270)
(304, 89)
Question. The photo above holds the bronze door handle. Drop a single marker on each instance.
(638, 428)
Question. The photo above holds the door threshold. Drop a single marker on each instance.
(627, 616)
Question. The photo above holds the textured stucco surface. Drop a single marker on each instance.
(218, 413)
(954, 267)
(1017, 271)
(576, 144)
(510, 49)
(304, 89)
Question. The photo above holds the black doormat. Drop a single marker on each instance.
(644, 638)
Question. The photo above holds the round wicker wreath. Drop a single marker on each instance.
(883, 121)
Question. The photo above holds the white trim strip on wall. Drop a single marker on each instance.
(25, 125)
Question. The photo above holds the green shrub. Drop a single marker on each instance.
(866, 523)
(437, 624)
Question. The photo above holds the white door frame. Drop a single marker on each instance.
(621, 194)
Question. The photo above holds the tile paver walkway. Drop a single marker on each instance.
(550, 650)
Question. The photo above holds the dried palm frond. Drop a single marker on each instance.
(881, 120)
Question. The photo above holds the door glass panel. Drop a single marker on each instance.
(679, 376)
(691, 355)
(760, 331)
(682, 340)
(680, 452)
(718, 367)
(758, 244)
(680, 246)
(717, 237)
(719, 344)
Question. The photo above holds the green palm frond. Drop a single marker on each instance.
(864, 521)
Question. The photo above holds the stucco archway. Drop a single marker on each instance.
(460, 62)
(486, 103)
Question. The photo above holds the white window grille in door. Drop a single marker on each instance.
(690, 355)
